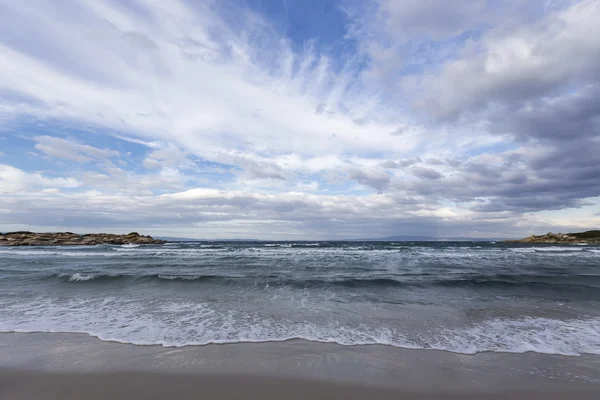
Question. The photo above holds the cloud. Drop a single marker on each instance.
(399, 131)
(511, 65)
(217, 120)
(14, 180)
(561, 118)
(167, 157)
(426, 173)
(221, 212)
(206, 104)
(376, 178)
(431, 18)
(71, 151)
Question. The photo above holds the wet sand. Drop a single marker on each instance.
(77, 366)
(116, 386)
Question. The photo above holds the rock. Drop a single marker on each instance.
(24, 238)
(589, 237)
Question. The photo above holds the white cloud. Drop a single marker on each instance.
(513, 65)
(434, 19)
(14, 180)
(69, 150)
(168, 157)
(246, 128)
(223, 102)
(223, 213)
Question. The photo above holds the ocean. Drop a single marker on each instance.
(460, 297)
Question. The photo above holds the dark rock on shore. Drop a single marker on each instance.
(589, 237)
(24, 238)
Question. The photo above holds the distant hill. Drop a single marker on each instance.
(184, 239)
(179, 239)
(397, 238)
(595, 234)
(589, 237)
(410, 238)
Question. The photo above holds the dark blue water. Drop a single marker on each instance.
(460, 297)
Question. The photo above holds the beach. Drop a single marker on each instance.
(326, 199)
(27, 386)
(33, 365)
(307, 319)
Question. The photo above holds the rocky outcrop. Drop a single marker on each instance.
(71, 239)
(589, 237)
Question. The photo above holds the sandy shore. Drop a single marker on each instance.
(30, 385)
(77, 366)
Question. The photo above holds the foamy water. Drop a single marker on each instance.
(459, 297)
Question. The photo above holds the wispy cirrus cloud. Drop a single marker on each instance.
(231, 119)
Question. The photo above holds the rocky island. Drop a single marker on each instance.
(25, 238)
(588, 237)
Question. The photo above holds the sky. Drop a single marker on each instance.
(300, 119)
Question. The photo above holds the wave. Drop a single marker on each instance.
(310, 249)
(186, 324)
(106, 278)
(557, 249)
(180, 277)
(77, 277)
(67, 252)
(533, 282)
(551, 249)
(171, 251)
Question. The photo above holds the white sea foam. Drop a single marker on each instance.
(130, 245)
(523, 250)
(557, 249)
(551, 250)
(77, 277)
(62, 253)
(180, 277)
(170, 251)
(541, 335)
(175, 324)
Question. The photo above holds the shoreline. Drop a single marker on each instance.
(287, 340)
(373, 366)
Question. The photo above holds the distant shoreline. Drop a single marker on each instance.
(588, 237)
(26, 238)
